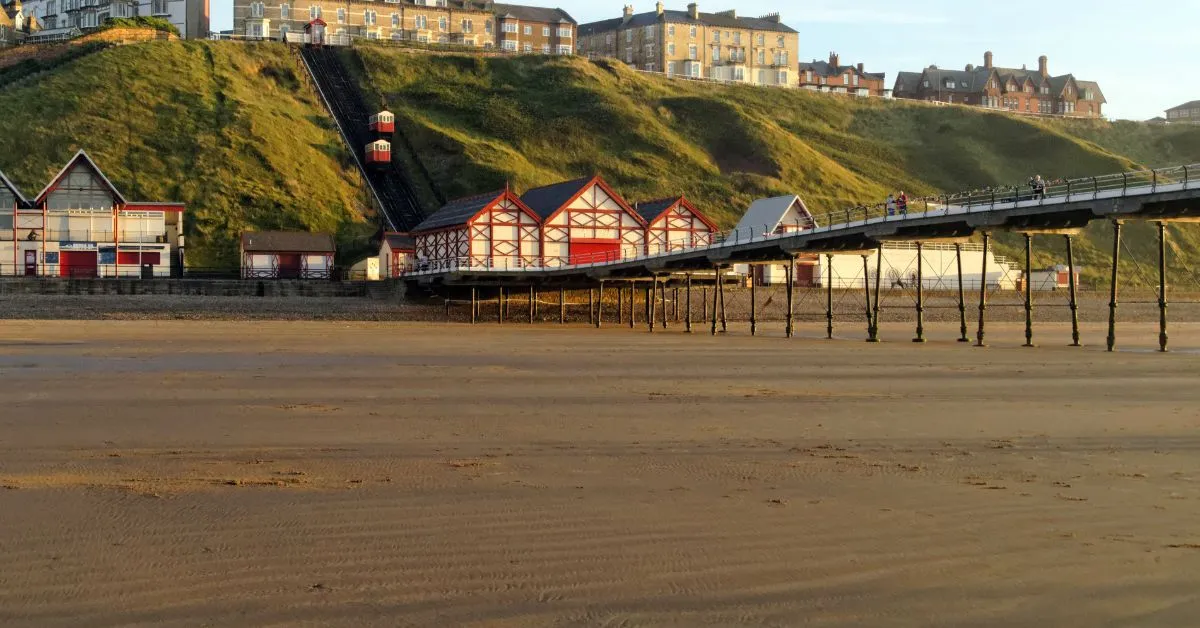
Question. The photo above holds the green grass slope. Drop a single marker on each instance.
(476, 123)
(230, 129)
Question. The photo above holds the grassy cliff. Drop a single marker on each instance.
(232, 130)
(477, 123)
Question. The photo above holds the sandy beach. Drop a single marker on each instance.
(188, 473)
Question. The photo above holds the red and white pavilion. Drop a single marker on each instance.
(494, 230)
(673, 224)
(586, 221)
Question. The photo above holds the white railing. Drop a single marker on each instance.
(1058, 192)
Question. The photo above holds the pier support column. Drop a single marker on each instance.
(1074, 293)
(500, 306)
(983, 285)
(716, 297)
(1112, 301)
(721, 291)
(962, 296)
(878, 285)
(867, 292)
(651, 303)
(532, 303)
(632, 304)
(1162, 287)
(562, 306)
(474, 306)
(620, 304)
(1029, 290)
(600, 307)
(829, 297)
(675, 303)
(591, 306)
(920, 339)
(662, 292)
(753, 304)
(790, 276)
(687, 313)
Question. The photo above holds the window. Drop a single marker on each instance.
(629, 36)
(926, 84)
(528, 30)
(158, 7)
(528, 48)
(762, 56)
(283, 32)
(716, 54)
(716, 37)
(692, 52)
(854, 80)
(545, 31)
(846, 79)
(443, 24)
(1045, 89)
(739, 73)
(468, 26)
(509, 27)
(341, 16)
(762, 40)
(564, 50)
(421, 23)
(694, 70)
(285, 12)
(509, 45)
(608, 39)
(545, 49)
(256, 30)
(395, 20)
(671, 30)
(487, 26)
(808, 76)
(737, 39)
(396, 37)
(314, 12)
(779, 42)
(629, 55)
(692, 32)
(781, 77)
(256, 9)
(671, 49)
(370, 18)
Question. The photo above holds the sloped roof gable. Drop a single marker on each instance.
(80, 157)
(769, 213)
(287, 242)
(6, 183)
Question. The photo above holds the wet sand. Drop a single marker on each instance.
(358, 474)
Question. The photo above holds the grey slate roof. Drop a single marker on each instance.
(534, 14)
(1186, 105)
(400, 241)
(457, 212)
(1095, 87)
(824, 68)
(719, 20)
(544, 201)
(287, 242)
(5, 182)
(650, 211)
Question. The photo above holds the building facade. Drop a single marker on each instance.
(287, 255)
(494, 230)
(833, 77)
(673, 224)
(534, 30)
(1018, 90)
(1186, 113)
(81, 226)
(719, 46)
(451, 22)
(397, 252)
(191, 17)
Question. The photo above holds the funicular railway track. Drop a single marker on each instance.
(401, 209)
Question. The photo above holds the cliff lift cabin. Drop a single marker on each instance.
(314, 33)
(383, 123)
(495, 230)
(396, 254)
(584, 221)
(287, 255)
(81, 226)
(673, 224)
(379, 152)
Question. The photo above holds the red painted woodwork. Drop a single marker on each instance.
(77, 264)
(31, 264)
(806, 275)
(379, 153)
(289, 265)
(594, 251)
(133, 258)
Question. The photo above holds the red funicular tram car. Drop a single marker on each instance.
(379, 152)
(383, 123)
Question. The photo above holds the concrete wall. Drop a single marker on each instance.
(203, 287)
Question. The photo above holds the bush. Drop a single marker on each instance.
(156, 23)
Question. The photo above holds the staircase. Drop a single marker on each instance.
(390, 185)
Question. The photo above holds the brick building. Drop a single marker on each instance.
(534, 29)
(1020, 90)
(461, 22)
(832, 76)
(720, 46)
(191, 17)
(1186, 113)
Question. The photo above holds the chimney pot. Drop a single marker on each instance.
(987, 60)
(628, 12)
(860, 69)
(658, 8)
(694, 11)
(834, 60)
(970, 67)
(1044, 65)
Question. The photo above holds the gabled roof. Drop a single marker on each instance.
(722, 20)
(287, 242)
(462, 211)
(533, 14)
(653, 210)
(1095, 87)
(769, 213)
(399, 241)
(80, 157)
(1186, 105)
(6, 183)
(548, 201)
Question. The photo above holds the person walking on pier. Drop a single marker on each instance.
(902, 203)
(891, 205)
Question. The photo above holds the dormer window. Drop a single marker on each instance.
(950, 84)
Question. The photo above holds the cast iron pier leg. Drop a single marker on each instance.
(1162, 287)
(500, 305)
(532, 303)
(790, 275)
(920, 293)
(1112, 301)
(474, 305)
(591, 306)
(1029, 290)
(983, 285)
(600, 307)
(721, 290)
(632, 304)
(620, 304)
(962, 297)
(662, 292)
(1074, 294)
(716, 296)
(878, 285)
(867, 289)
(753, 304)
(829, 298)
(687, 314)
(651, 303)
(562, 306)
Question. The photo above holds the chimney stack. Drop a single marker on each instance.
(628, 13)
(970, 68)
(861, 69)
(658, 8)
(834, 60)
(694, 11)
(987, 60)
(1044, 65)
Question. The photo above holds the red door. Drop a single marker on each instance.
(806, 275)
(77, 264)
(289, 266)
(31, 263)
(594, 251)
